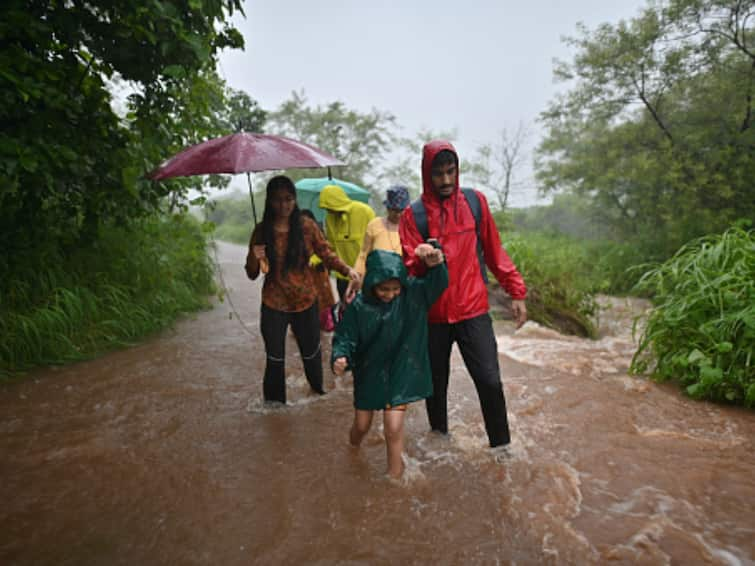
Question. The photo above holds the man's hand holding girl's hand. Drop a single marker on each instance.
(428, 254)
(339, 366)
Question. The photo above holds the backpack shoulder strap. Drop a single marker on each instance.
(474, 205)
(420, 218)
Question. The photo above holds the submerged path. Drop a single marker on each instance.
(164, 454)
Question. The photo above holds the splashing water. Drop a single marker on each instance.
(165, 453)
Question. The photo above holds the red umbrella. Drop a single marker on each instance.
(244, 153)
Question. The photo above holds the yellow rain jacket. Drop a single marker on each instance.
(345, 223)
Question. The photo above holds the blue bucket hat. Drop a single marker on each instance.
(396, 198)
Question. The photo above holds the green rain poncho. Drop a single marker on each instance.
(386, 343)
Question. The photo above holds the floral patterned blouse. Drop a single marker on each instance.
(297, 290)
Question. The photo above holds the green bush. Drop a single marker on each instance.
(560, 294)
(702, 329)
(611, 267)
(129, 282)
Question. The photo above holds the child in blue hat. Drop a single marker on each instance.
(382, 232)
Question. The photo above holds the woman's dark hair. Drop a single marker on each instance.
(296, 256)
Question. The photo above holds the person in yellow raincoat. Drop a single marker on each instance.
(345, 225)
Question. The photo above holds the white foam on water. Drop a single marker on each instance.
(412, 473)
(666, 516)
(643, 546)
(542, 347)
(298, 394)
(725, 557)
(720, 440)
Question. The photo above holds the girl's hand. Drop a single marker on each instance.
(434, 258)
(355, 284)
(259, 251)
(422, 250)
(430, 255)
(339, 366)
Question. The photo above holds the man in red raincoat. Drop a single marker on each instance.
(461, 313)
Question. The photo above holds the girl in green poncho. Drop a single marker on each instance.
(383, 339)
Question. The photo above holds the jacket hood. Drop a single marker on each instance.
(429, 151)
(382, 265)
(333, 197)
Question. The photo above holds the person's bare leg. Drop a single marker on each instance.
(393, 429)
(360, 427)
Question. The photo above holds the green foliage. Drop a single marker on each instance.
(610, 265)
(360, 140)
(243, 113)
(568, 214)
(560, 292)
(231, 217)
(702, 329)
(656, 133)
(132, 280)
(68, 162)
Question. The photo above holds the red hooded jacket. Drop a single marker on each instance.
(452, 223)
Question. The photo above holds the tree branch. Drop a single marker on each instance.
(650, 108)
(748, 99)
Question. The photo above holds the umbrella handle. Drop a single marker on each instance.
(251, 197)
(264, 263)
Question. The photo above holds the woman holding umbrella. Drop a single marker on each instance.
(285, 240)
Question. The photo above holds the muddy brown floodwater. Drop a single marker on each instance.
(164, 454)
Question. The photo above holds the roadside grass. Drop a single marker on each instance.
(701, 332)
(130, 282)
(560, 294)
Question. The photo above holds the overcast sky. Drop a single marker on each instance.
(474, 65)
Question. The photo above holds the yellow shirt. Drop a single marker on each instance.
(377, 237)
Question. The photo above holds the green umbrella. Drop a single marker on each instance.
(308, 193)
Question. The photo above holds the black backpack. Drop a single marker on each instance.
(420, 219)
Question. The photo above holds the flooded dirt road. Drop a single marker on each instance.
(164, 454)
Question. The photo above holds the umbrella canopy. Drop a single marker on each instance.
(308, 193)
(243, 153)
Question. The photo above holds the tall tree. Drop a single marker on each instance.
(243, 113)
(496, 167)
(67, 160)
(656, 127)
(361, 140)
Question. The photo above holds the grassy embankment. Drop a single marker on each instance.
(564, 274)
(129, 283)
(701, 332)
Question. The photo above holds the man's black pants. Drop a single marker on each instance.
(477, 345)
(306, 327)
